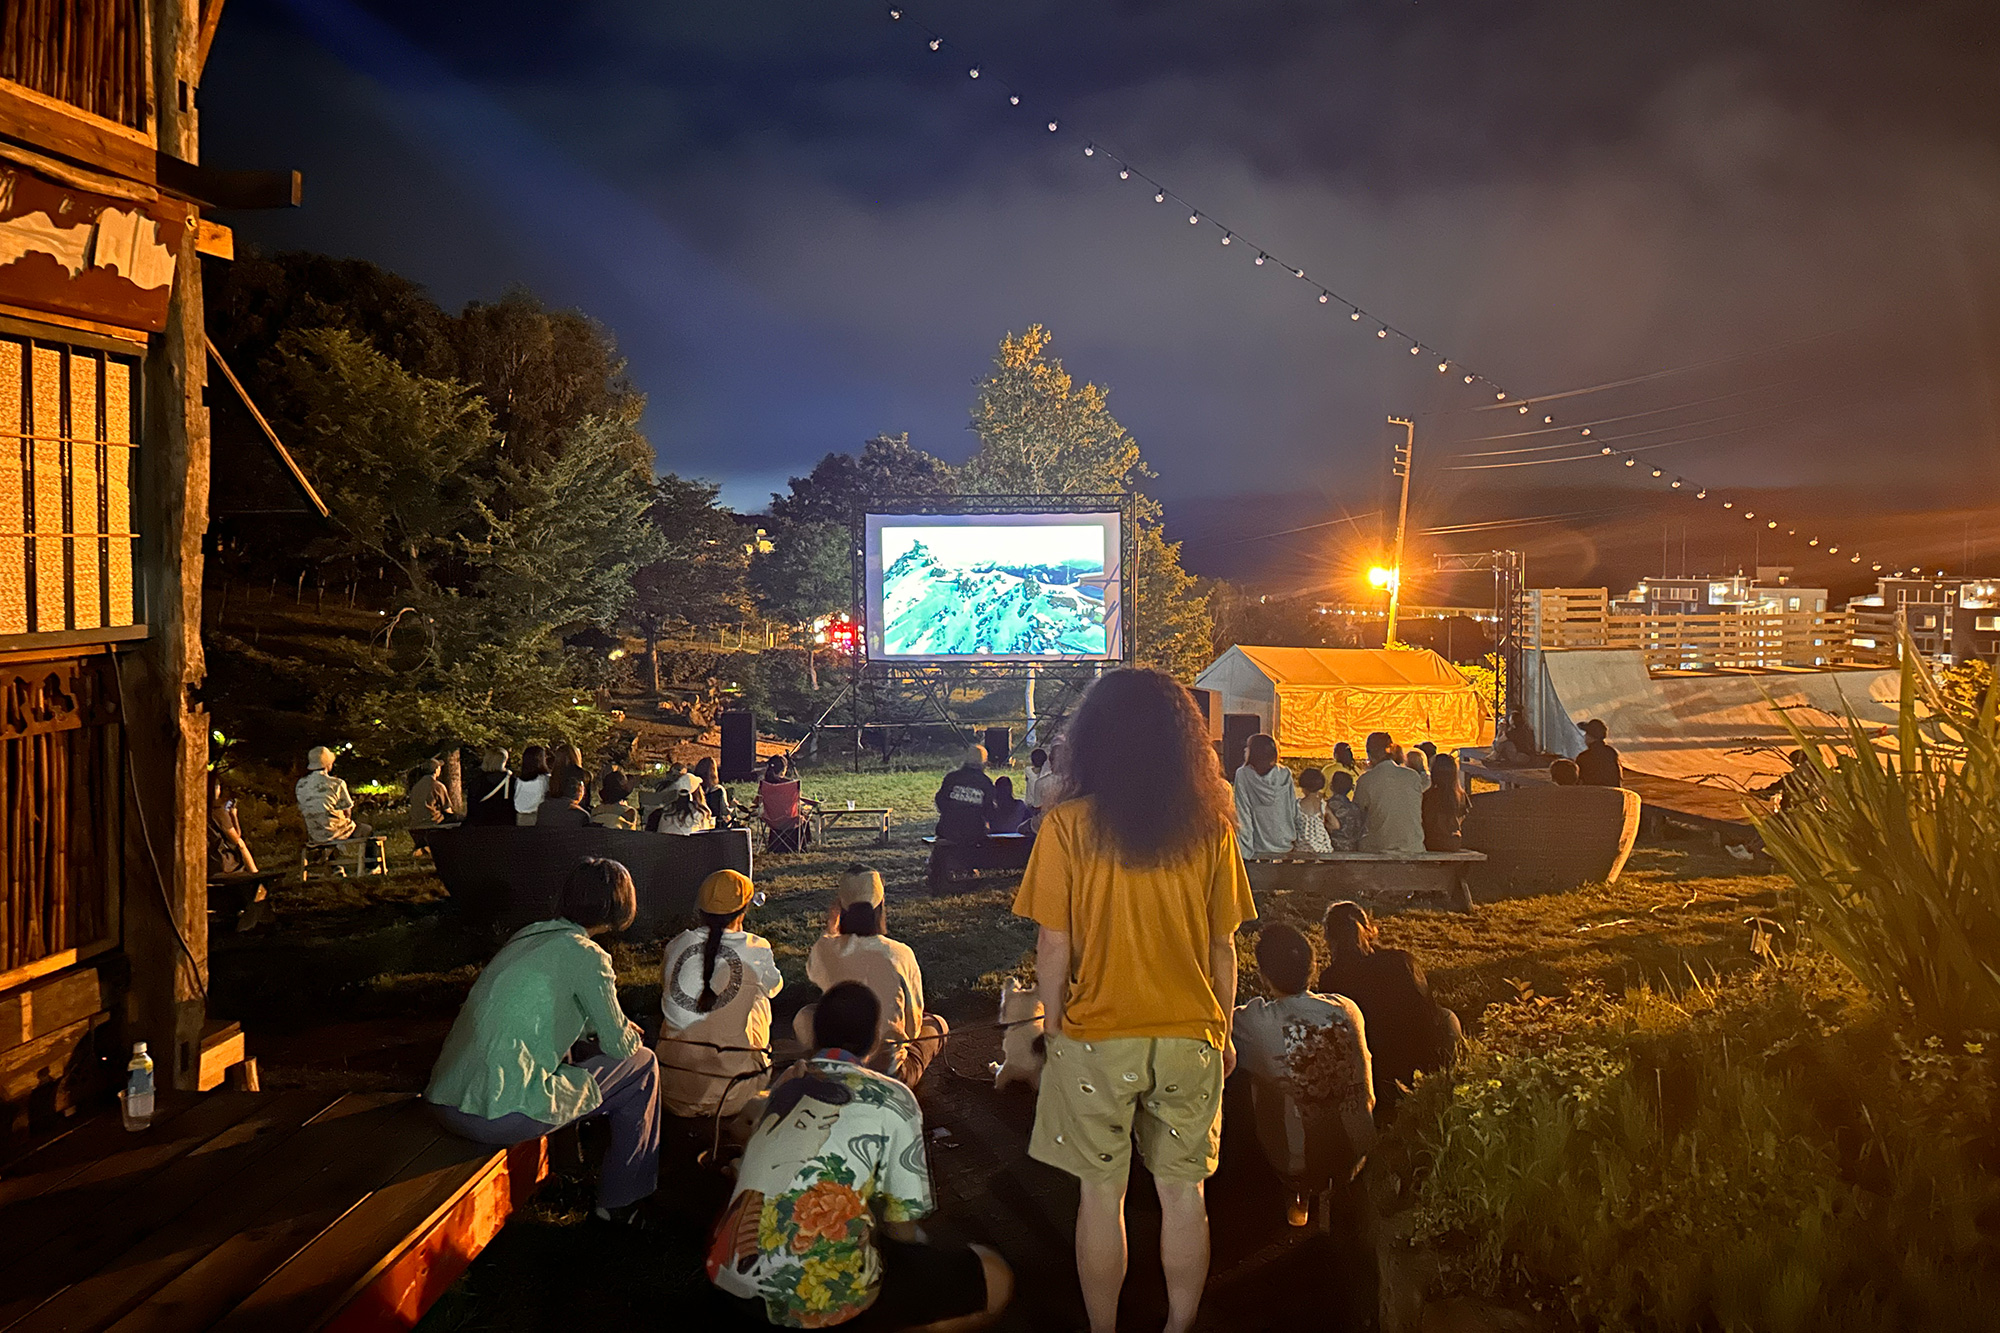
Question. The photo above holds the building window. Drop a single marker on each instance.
(1986, 622)
(67, 542)
(1791, 603)
(1926, 622)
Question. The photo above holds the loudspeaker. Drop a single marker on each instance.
(999, 746)
(739, 746)
(1237, 729)
(1209, 704)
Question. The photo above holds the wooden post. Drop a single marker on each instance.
(165, 902)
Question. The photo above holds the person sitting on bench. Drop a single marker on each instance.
(506, 1074)
(563, 806)
(963, 801)
(1391, 799)
(1313, 818)
(1342, 812)
(821, 1229)
(430, 801)
(614, 808)
(1299, 1042)
(228, 854)
(327, 806)
(684, 813)
(493, 802)
(857, 947)
(1266, 802)
(1008, 812)
(716, 985)
(1562, 772)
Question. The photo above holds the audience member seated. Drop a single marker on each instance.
(713, 792)
(614, 807)
(1444, 807)
(493, 791)
(1306, 1056)
(783, 807)
(505, 1075)
(857, 947)
(1391, 800)
(1267, 809)
(1562, 772)
(685, 811)
(326, 805)
(1518, 745)
(1417, 762)
(963, 799)
(563, 807)
(1798, 789)
(1343, 759)
(430, 801)
(1008, 812)
(565, 762)
(1407, 1030)
(1598, 765)
(1344, 814)
(532, 786)
(821, 1229)
(1039, 786)
(1314, 822)
(228, 854)
(716, 985)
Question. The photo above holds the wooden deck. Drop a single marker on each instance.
(250, 1211)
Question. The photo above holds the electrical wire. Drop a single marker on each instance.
(146, 839)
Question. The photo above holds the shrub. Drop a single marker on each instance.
(1893, 852)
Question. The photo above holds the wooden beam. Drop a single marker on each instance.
(284, 454)
(211, 16)
(228, 189)
(214, 240)
(43, 122)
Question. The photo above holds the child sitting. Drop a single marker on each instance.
(857, 947)
(716, 985)
(1313, 826)
(1306, 1056)
(1343, 814)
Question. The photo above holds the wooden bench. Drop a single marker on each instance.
(952, 862)
(1385, 879)
(244, 1211)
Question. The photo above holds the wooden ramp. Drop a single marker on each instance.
(245, 1211)
(1718, 810)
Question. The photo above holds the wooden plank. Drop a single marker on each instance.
(102, 1213)
(221, 1047)
(211, 18)
(37, 1010)
(385, 1263)
(75, 1146)
(55, 126)
(330, 1142)
(44, 1067)
(215, 240)
(313, 1187)
(55, 962)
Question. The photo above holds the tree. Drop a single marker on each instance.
(843, 485)
(1042, 434)
(699, 578)
(542, 372)
(807, 573)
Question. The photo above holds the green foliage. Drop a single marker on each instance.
(1042, 434)
(1754, 1154)
(807, 573)
(1965, 685)
(841, 486)
(1893, 852)
(542, 373)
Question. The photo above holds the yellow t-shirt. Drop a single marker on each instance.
(1138, 938)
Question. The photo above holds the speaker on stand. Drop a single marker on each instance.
(999, 744)
(739, 746)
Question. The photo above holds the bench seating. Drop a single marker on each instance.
(1385, 879)
(955, 861)
(506, 876)
(251, 1212)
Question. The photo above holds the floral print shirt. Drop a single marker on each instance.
(839, 1152)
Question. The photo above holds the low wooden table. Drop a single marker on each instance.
(829, 817)
(243, 1211)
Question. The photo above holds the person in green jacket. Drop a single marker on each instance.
(505, 1075)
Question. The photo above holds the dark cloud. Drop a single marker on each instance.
(804, 227)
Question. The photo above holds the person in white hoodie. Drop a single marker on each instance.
(1266, 804)
(717, 984)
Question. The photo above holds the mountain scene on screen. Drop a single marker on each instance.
(932, 609)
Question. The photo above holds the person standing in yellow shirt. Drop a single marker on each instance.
(1138, 890)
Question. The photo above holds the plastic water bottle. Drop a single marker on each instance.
(138, 1094)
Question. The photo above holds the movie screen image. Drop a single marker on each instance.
(994, 587)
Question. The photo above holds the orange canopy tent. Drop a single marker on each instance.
(1310, 698)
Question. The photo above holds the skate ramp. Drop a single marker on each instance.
(1723, 729)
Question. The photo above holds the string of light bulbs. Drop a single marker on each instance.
(1326, 294)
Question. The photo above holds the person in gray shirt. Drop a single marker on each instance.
(1391, 800)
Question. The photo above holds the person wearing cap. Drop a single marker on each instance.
(857, 947)
(1597, 765)
(716, 984)
(325, 803)
(505, 1075)
(685, 811)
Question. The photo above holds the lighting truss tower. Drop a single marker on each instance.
(1510, 570)
(1404, 452)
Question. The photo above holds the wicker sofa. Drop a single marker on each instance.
(1540, 838)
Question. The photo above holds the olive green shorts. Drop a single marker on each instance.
(1097, 1096)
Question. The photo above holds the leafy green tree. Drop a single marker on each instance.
(700, 578)
(1040, 433)
(542, 373)
(843, 485)
(807, 573)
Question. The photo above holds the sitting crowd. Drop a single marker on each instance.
(1401, 802)
(1137, 892)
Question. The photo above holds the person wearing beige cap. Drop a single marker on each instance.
(716, 984)
(325, 803)
(857, 947)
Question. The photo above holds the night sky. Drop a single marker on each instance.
(804, 227)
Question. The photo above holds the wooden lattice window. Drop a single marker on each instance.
(88, 53)
(67, 538)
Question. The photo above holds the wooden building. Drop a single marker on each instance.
(104, 458)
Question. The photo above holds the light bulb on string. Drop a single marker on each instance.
(1443, 366)
(1324, 298)
(1354, 315)
(1298, 273)
(1631, 462)
(895, 13)
(1729, 504)
(1500, 397)
(1014, 99)
(972, 73)
(1854, 559)
(1772, 524)
(1260, 261)
(1677, 483)
(1658, 473)
(1052, 127)
(1877, 568)
(1813, 542)
(1833, 550)
(1193, 218)
(1227, 238)
(1124, 174)
(1416, 351)
(1701, 494)
(1159, 196)
(1090, 150)
(1586, 430)
(1606, 451)
(1468, 379)
(1382, 333)
(936, 42)
(1548, 421)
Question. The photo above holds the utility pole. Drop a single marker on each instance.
(1404, 452)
